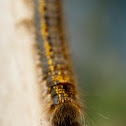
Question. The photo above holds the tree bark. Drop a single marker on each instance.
(19, 101)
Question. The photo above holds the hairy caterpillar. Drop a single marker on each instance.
(64, 107)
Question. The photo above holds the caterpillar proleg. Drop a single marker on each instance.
(64, 108)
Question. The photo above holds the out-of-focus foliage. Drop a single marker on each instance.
(97, 34)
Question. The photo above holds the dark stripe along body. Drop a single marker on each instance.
(57, 71)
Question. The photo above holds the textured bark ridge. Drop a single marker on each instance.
(19, 103)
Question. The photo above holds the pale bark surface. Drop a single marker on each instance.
(19, 104)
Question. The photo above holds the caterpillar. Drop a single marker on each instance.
(64, 107)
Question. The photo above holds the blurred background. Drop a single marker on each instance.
(97, 34)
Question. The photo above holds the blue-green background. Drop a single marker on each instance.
(97, 38)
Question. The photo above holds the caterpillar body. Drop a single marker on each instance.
(58, 77)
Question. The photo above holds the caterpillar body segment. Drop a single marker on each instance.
(58, 77)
